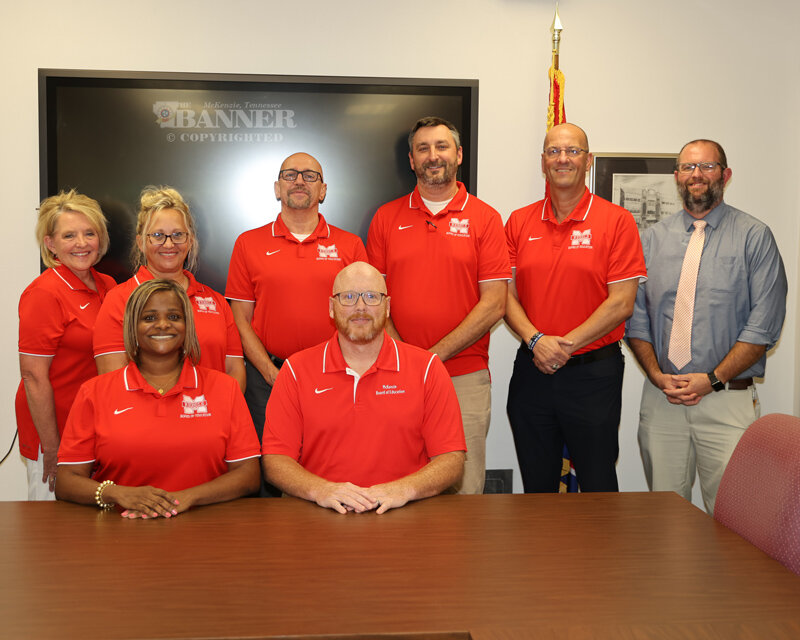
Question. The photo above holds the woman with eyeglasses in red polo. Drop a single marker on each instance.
(166, 247)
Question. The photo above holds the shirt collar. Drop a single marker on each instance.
(458, 203)
(713, 218)
(578, 214)
(194, 288)
(333, 359)
(134, 380)
(322, 230)
(75, 283)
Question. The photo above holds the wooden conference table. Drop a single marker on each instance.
(629, 565)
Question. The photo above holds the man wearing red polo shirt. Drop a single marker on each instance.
(577, 263)
(362, 421)
(444, 257)
(272, 265)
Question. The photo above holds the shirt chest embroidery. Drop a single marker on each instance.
(389, 390)
(206, 305)
(581, 239)
(327, 253)
(196, 407)
(459, 227)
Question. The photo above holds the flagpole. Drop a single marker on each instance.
(556, 115)
(556, 28)
(555, 107)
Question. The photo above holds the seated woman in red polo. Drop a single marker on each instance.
(162, 434)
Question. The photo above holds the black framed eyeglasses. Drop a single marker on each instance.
(705, 167)
(290, 175)
(350, 298)
(177, 237)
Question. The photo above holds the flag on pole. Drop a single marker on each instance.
(569, 481)
(557, 115)
(555, 107)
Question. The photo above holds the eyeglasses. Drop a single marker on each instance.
(177, 237)
(705, 167)
(290, 175)
(350, 298)
(572, 152)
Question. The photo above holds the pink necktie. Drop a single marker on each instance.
(680, 340)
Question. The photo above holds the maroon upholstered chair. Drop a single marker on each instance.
(759, 495)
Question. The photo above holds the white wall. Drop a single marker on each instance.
(641, 77)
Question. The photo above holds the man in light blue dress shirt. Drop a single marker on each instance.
(692, 417)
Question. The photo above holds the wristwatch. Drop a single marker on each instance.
(716, 385)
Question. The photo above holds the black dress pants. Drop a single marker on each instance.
(256, 396)
(579, 405)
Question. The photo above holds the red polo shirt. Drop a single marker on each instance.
(290, 281)
(213, 321)
(563, 270)
(381, 426)
(137, 437)
(57, 313)
(433, 264)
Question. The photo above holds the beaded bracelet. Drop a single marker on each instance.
(98, 495)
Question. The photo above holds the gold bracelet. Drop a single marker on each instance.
(98, 495)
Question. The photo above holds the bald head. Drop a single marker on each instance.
(566, 131)
(302, 161)
(299, 196)
(359, 276)
(360, 323)
(703, 142)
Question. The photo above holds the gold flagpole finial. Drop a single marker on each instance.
(556, 29)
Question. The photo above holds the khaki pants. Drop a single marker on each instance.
(38, 490)
(474, 391)
(675, 441)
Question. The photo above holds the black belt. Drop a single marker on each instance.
(739, 385)
(609, 351)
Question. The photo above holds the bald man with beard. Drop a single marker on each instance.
(363, 421)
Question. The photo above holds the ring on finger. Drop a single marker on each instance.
(554, 367)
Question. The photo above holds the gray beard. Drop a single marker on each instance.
(303, 204)
(704, 202)
(448, 175)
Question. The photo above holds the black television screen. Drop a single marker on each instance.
(220, 140)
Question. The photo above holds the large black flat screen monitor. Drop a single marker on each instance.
(220, 140)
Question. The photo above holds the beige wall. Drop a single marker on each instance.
(641, 77)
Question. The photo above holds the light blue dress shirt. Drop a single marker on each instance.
(741, 288)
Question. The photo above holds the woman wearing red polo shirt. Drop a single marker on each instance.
(161, 434)
(166, 247)
(57, 313)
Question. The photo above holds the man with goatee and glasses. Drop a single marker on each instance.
(703, 322)
(272, 265)
(362, 421)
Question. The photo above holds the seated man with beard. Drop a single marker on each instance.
(363, 421)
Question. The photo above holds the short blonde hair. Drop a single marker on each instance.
(135, 306)
(51, 208)
(155, 199)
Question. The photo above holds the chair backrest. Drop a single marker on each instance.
(759, 495)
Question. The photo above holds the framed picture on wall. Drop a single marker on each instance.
(643, 183)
